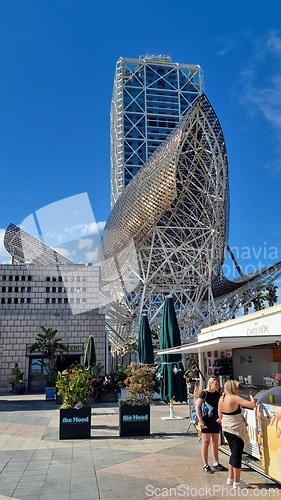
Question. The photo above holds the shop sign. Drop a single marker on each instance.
(258, 330)
(70, 349)
(135, 418)
(75, 349)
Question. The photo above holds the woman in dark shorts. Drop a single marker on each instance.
(210, 426)
(234, 428)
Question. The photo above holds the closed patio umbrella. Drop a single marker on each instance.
(145, 347)
(90, 353)
(171, 372)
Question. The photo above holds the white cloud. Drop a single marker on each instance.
(259, 87)
(274, 43)
(91, 256)
(85, 243)
(227, 45)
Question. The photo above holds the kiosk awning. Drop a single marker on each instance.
(222, 343)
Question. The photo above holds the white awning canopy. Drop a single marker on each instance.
(221, 343)
(257, 329)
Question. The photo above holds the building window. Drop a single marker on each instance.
(2, 301)
(47, 289)
(28, 301)
(47, 301)
(9, 300)
(3, 277)
(16, 288)
(59, 301)
(16, 301)
(53, 301)
(54, 289)
(23, 278)
(60, 278)
(65, 301)
(59, 289)
(48, 278)
(54, 278)
(29, 278)
(22, 301)
(3, 289)
(17, 278)
(22, 289)
(29, 288)
(10, 278)
(10, 289)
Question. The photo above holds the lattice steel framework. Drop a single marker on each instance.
(167, 234)
(150, 95)
(24, 248)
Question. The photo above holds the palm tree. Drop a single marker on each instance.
(52, 348)
(271, 295)
(258, 302)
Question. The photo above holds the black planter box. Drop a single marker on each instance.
(75, 424)
(134, 421)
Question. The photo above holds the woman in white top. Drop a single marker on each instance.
(234, 428)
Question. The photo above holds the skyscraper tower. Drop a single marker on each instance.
(150, 96)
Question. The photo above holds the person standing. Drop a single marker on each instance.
(210, 426)
(234, 428)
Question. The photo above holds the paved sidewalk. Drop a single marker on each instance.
(34, 464)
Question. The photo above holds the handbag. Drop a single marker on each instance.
(206, 411)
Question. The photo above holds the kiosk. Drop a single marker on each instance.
(253, 342)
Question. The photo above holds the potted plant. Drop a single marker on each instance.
(18, 380)
(119, 377)
(74, 385)
(51, 347)
(134, 411)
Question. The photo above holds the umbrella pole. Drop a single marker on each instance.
(172, 413)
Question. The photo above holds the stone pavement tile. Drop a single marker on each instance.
(57, 495)
(111, 485)
(60, 465)
(17, 469)
(80, 486)
(6, 494)
(85, 495)
(28, 491)
(8, 483)
(38, 465)
(57, 476)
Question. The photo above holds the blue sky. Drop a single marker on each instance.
(58, 61)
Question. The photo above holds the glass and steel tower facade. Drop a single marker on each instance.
(150, 96)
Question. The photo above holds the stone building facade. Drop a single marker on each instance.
(65, 298)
